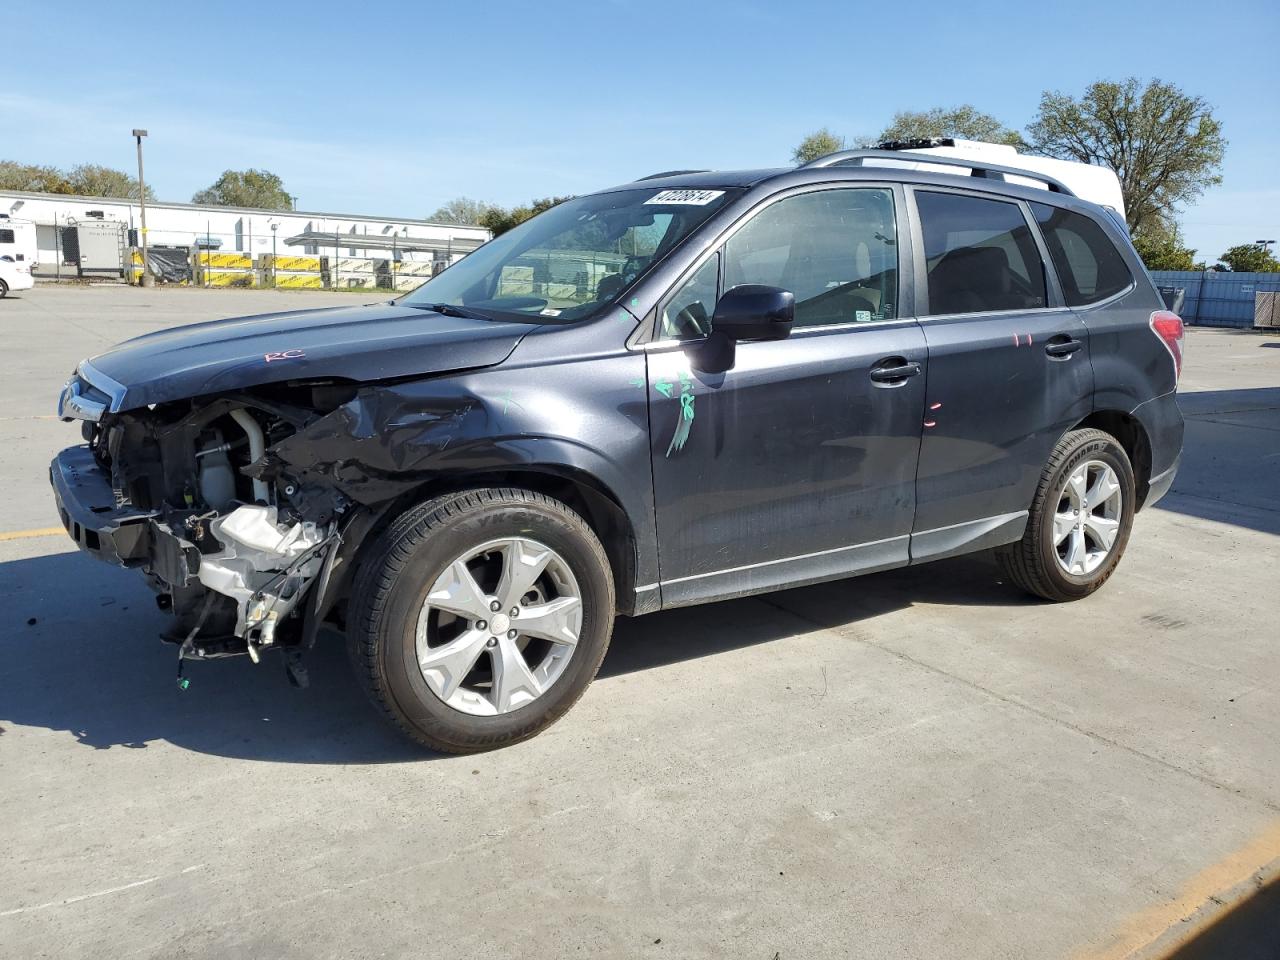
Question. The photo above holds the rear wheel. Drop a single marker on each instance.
(481, 617)
(1079, 521)
(4, 289)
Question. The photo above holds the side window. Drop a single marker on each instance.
(836, 250)
(980, 254)
(687, 315)
(1088, 264)
(6, 236)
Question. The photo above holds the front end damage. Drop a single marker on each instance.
(238, 547)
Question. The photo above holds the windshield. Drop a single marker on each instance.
(574, 259)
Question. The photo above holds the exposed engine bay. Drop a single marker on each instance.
(237, 543)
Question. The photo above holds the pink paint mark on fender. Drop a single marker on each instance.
(931, 423)
(283, 355)
(1017, 341)
(935, 406)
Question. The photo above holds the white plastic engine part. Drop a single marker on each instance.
(256, 550)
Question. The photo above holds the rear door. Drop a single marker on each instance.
(798, 462)
(1009, 369)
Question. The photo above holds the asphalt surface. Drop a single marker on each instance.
(922, 763)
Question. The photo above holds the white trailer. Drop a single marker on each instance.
(18, 240)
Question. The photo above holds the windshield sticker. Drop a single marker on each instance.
(688, 198)
(549, 312)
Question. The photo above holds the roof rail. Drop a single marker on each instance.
(668, 173)
(977, 167)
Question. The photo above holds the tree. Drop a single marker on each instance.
(964, 121)
(1250, 258)
(499, 221)
(462, 210)
(1164, 250)
(815, 145)
(32, 179)
(1165, 145)
(261, 189)
(92, 180)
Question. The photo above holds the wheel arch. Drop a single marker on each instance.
(593, 500)
(1132, 436)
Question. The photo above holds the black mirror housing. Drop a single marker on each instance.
(753, 311)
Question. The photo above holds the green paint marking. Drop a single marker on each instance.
(685, 423)
(635, 301)
(665, 387)
(637, 382)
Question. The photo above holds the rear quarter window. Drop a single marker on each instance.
(1089, 266)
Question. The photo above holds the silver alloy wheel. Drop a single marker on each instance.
(499, 626)
(1087, 520)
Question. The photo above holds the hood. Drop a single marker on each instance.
(374, 342)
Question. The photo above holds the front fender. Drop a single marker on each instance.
(573, 419)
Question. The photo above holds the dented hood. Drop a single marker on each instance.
(374, 342)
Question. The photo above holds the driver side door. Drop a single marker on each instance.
(798, 463)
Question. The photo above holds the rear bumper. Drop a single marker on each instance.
(125, 536)
(1162, 421)
(1161, 483)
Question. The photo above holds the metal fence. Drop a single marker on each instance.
(1218, 299)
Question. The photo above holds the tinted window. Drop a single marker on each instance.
(1089, 266)
(836, 250)
(6, 236)
(980, 253)
(688, 313)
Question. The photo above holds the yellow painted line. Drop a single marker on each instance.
(1205, 898)
(28, 534)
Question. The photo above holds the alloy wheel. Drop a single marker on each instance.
(499, 626)
(1087, 520)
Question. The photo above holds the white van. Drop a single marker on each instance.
(1091, 182)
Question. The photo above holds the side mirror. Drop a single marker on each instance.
(753, 311)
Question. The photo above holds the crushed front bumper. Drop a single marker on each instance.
(123, 535)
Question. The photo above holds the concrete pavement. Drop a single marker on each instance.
(920, 763)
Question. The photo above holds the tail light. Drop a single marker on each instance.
(1168, 327)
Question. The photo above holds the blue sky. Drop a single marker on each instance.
(393, 109)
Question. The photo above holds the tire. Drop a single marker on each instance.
(398, 612)
(4, 289)
(1046, 564)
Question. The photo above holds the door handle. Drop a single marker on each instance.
(894, 370)
(1062, 346)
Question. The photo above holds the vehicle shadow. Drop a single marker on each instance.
(79, 654)
(1231, 445)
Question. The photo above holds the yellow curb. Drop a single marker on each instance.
(1202, 901)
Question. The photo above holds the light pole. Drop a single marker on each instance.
(275, 225)
(147, 279)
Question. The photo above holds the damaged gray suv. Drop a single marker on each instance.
(692, 387)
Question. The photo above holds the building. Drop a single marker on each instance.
(94, 236)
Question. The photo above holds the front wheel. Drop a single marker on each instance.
(481, 617)
(1079, 521)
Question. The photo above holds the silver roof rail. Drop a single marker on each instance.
(977, 168)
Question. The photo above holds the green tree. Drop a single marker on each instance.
(1250, 258)
(815, 145)
(93, 180)
(964, 121)
(1164, 145)
(1164, 250)
(32, 178)
(261, 189)
(499, 220)
(462, 210)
